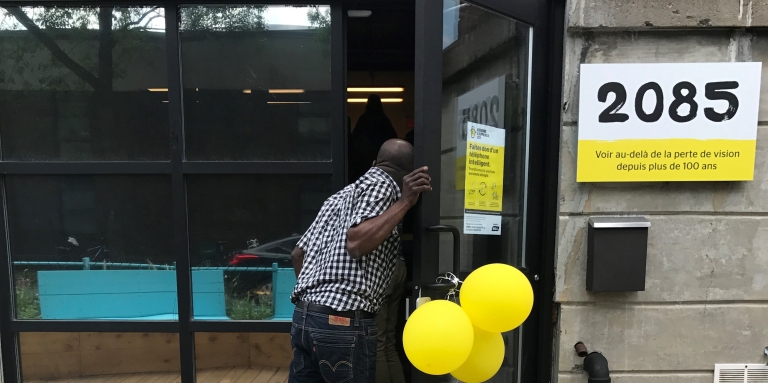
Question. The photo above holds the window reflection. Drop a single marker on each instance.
(74, 83)
(450, 21)
(246, 227)
(495, 75)
(485, 81)
(256, 82)
(91, 247)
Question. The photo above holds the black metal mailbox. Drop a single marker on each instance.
(617, 249)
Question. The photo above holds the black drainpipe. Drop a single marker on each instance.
(595, 364)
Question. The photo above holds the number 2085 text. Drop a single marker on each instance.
(683, 93)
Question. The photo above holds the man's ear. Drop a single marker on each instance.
(373, 163)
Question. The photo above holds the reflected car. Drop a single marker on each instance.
(265, 255)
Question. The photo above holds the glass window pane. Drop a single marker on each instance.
(75, 84)
(242, 357)
(485, 81)
(242, 230)
(92, 247)
(76, 357)
(257, 82)
(484, 84)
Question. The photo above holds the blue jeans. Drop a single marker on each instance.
(329, 353)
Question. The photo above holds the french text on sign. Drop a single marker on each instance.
(668, 122)
(484, 179)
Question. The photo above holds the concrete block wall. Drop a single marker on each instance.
(706, 298)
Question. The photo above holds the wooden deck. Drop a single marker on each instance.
(219, 375)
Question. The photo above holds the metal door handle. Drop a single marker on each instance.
(456, 247)
(446, 286)
(440, 286)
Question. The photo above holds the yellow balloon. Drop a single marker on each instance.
(497, 297)
(485, 359)
(438, 337)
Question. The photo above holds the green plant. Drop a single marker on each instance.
(248, 308)
(242, 304)
(27, 296)
(321, 20)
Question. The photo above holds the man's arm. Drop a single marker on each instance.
(297, 258)
(370, 234)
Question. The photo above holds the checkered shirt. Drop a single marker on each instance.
(330, 276)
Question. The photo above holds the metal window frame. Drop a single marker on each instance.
(177, 168)
(547, 17)
(428, 75)
(9, 339)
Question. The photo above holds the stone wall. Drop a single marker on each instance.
(706, 297)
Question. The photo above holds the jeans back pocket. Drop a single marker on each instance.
(335, 355)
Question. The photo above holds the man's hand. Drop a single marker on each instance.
(415, 183)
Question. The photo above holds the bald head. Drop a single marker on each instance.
(396, 158)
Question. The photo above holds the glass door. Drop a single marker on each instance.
(483, 145)
(473, 121)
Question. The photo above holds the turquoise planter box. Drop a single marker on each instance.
(283, 282)
(127, 294)
(145, 294)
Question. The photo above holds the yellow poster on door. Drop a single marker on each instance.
(483, 105)
(484, 179)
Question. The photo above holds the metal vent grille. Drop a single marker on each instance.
(741, 373)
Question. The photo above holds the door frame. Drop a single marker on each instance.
(547, 17)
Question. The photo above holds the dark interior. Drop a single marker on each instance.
(384, 41)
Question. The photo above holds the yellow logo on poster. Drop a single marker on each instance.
(484, 175)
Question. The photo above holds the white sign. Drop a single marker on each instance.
(668, 122)
(482, 224)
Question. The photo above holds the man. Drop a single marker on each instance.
(344, 263)
(372, 130)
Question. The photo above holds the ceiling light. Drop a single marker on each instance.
(376, 89)
(165, 101)
(247, 91)
(283, 91)
(288, 102)
(158, 89)
(382, 100)
(358, 13)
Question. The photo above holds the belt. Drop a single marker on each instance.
(329, 311)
